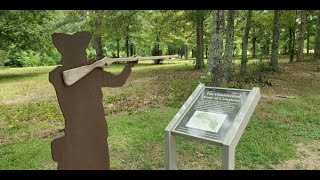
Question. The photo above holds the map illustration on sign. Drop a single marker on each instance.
(206, 121)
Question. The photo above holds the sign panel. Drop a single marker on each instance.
(212, 113)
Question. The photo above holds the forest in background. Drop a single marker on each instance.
(216, 35)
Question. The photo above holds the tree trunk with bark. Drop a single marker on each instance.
(96, 40)
(275, 41)
(229, 47)
(317, 38)
(127, 41)
(301, 35)
(215, 58)
(199, 23)
(131, 49)
(118, 47)
(266, 47)
(97, 45)
(308, 41)
(292, 31)
(254, 40)
(206, 52)
(185, 51)
(244, 57)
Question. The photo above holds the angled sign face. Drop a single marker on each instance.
(216, 115)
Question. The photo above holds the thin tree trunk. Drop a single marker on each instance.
(266, 47)
(157, 48)
(158, 44)
(118, 47)
(308, 40)
(192, 53)
(131, 49)
(185, 51)
(275, 42)
(301, 35)
(206, 52)
(290, 43)
(254, 39)
(127, 41)
(293, 38)
(215, 58)
(244, 57)
(229, 47)
(223, 30)
(317, 39)
(294, 34)
(199, 23)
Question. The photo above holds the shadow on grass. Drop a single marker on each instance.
(16, 77)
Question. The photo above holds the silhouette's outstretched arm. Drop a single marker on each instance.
(112, 80)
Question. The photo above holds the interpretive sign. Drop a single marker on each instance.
(215, 115)
(212, 113)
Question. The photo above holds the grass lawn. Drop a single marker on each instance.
(283, 132)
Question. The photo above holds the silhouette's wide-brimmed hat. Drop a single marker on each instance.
(72, 46)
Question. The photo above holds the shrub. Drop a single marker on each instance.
(32, 58)
(3, 57)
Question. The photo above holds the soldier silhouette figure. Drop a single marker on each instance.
(84, 144)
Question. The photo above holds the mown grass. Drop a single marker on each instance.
(30, 118)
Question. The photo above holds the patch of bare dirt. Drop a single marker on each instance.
(292, 80)
(27, 98)
(17, 100)
(308, 158)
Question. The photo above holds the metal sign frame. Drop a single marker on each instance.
(229, 141)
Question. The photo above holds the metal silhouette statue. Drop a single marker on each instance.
(84, 144)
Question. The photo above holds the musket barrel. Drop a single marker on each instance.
(73, 75)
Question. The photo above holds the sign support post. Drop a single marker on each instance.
(228, 157)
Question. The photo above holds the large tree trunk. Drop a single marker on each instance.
(97, 41)
(254, 39)
(244, 57)
(199, 23)
(275, 41)
(127, 41)
(215, 58)
(301, 35)
(317, 39)
(229, 47)
(118, 47)
(97, 45)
